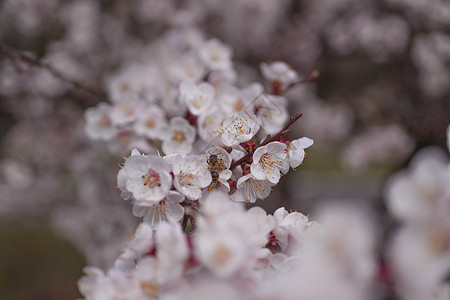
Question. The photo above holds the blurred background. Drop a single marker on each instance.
(383, 94)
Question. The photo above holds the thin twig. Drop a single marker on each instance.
(14, 53)
(311, 78)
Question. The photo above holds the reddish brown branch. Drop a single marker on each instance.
(14, 53)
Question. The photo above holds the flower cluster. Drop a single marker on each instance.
(176, 101)
(195, 230)
(207, 135)
(419, 198)
(223, 145)
(161, 187)
(197, 239)
(239, 254)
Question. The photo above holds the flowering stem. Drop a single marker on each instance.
(17, 54)
(276, 137)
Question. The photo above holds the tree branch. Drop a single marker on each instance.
(14, 53)
(311, 78)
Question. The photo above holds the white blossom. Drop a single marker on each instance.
(221, 250)
(191, 175)
(289, 228)
(218, 203)
(146, 178)
(336, 261)
(233, 100)
(422, 191)
(126, 140)
(420, 260)
(239, 128)
(179, 137)
(172, 252)
(272, 113)
(138, 244)
(122, 86)
(145, 277)
(167, 208)
(96, 285)
(280, 72)
(227, 243)
(125, 112)
(269, 161)
(230, 99)
(216, 55)
(249, 189)
(350, 237)
(187, 68)
(150, 122)
(210, 122)
(198, 98)
(99, 125)
(296, 151)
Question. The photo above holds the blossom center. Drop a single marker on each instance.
(104, 121)
(209, 122)
(221, 255)
(189, 72)
(179, 136)
(438, 240)
(238, 105)
(198, 102)
(149, 289)
(124, 87)
(150, 123)
(127, 110)
(125, 138)
(214, 56)
(160, 208)
(151, 179)
(267, 161)
(241, 128)
(185, 179)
